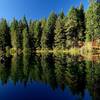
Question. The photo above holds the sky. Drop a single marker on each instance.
(36, 9)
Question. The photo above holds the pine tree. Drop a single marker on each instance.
(31, 35)
(37, 34)
(60, 37)
(4, 35)
(14, 34)
(61, 15)
(81, 23)
(25, 40)
(22, 24)
(20, 29)
(48, 34)
(43, 36)
(93, 21)
(71, 26)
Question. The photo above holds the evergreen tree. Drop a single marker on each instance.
(25, 40)
(37, 34)
(24, 23)
(60, 37)
(61, 15)
(4, 35)
(20, 29)
(31, 35)
(44, 38)
(48, 33)
(14, 34)
(81, 23)
(71, 26)
(43, 27)
(93, 21)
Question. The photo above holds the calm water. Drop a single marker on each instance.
(49, 77)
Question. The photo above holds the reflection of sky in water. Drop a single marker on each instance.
(37, 91)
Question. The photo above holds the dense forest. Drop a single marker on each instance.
(57, 32)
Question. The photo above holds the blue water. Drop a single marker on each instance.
(37, 91)
(49, 77)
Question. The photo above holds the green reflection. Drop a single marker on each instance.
(58, 70)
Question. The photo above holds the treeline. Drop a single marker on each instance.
(56, 32)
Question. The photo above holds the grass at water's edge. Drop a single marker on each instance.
(73, 51)
(85, 52)
(66, 51)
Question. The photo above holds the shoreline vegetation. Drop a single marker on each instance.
(78, 32)
(73, 52)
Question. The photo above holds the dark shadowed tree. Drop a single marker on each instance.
(37, 34)
(81, 23)
(4, 35)
(31, 35)
(48, 33)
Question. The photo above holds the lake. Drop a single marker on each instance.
(49, 77)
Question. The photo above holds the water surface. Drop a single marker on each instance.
(49, 77)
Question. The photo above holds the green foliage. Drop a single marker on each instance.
(71, 26)
(48, 32)
(88, 37)
(14, 34)
(93, 21)
(81, 23)
(22, 24)
(4, 34)
(31, 35)
(37, 34)
(25, 40)
(13, 51)
(43, 37)
(60, 37)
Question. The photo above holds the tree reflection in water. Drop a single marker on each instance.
(58, 70)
